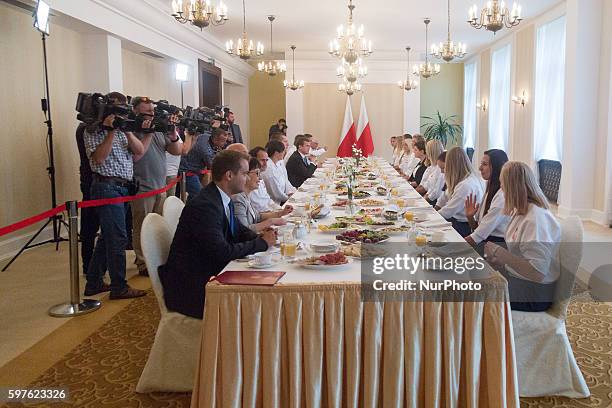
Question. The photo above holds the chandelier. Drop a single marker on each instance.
(244, 47)
(199, 13)
(448, 50)
(352, 72)
(294, 85)
(349, 87)
(350, 43)
(495, 16)
(271, 67)
(409, 84)
(426, 70)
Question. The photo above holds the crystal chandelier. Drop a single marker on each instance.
(352, 72)
(350, 43)
(448, 50)
(426, 70)
(244, 47)
(349, 87)
(294, 85)
(495, 16)
(271, 67)
(409, 84)
(200, 13)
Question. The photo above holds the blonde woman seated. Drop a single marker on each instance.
(461, 182)
(408, 162)
(487, 219)
(398, 151)
(435, 192)
(530, 264)
(244, 210)
(433, 178)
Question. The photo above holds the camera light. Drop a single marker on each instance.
(181, 72)
(41, 17)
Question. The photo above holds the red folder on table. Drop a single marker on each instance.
(259, 278)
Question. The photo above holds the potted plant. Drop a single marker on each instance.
(445, 129)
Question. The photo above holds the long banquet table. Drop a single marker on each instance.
(310, 341)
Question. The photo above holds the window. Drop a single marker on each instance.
(470, 86)
(549, 91)
(499, 98)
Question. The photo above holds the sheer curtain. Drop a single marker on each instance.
(470, 86)
(499, 98)
(549, 91)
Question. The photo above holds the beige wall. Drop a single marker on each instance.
(24, 184)
(443, 93)
(237, 98)
(324, 113)
(266, 106)
(146, 76)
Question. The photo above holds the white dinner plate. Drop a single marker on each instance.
(326, 267)
(253, 265)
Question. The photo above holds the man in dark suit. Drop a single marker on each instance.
(235, 135)
(209, 236)
(278, 127)
(299, 167)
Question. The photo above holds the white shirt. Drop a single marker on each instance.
(317, 152)
(408, 163)
(226, 200)
(435, 184)
(397, 159)
(277, 183)
(260, 199)
(454, 206)
(430, 176)
(535, 236)
(173, 162)
(494, 223)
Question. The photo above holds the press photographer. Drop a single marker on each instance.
(111, 153)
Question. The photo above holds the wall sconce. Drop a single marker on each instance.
(520, 100)
(482, 106)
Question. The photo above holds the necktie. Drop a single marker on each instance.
(306, 161)
(232, 222)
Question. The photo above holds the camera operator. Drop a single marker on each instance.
(173, 162)
(233, 130)
(201, 156)
(111, 153)
(150, 169)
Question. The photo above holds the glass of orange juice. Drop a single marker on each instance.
(409, 216)
(288, 245)
(420, 240)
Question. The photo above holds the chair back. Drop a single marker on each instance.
(570, 256)
(173, 207)
(155, 239)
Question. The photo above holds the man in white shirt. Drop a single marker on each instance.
(260, 199)
(315, 150)
(281, 137)
(275, 176)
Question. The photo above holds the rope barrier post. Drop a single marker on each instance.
(75, 307)
(183, 186)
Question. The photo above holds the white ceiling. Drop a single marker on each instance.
(389, 24)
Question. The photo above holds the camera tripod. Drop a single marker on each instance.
(56, 220)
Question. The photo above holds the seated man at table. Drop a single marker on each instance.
(209, 236)
(299, 167)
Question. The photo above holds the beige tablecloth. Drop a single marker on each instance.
(299, 345)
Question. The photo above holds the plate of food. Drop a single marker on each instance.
(368, 202)
(320, 211)
(340, 203)
(324, 247)
(381, 191)
(324, 262)
(390, 215)
(379, 223)
(334, 228)
(357, 195)
(364, 251)
(372, 212)
(354, 219)
(363, 236)
(395, 230)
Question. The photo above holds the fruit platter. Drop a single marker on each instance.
(328, 261)
(371, 203)
(334, 228)
(363, 236)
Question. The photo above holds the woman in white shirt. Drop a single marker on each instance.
(398, 152)
(275, 176)
(487, 219)
(393, 142)
(531, 262)
(461, 182)
(438, 189)
(433, 177)
(408, 161)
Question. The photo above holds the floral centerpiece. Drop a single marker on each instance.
(357, 154)
(349, 169)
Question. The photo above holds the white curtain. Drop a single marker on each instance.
(549, 91)
(470, 86)
(499, 98)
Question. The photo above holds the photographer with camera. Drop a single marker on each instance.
(111, 153)
(233, 130)
(158, 137)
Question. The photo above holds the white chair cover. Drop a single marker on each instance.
(545, 362)
(172, 362)
(173, 207)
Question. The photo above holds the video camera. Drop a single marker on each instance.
(96, 107)
(200, 120)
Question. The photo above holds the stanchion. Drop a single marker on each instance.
(75, 307)
(183, 187)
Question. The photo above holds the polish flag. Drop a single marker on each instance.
(365, 142)
(348, 136)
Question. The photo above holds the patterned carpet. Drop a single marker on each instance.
(103, 371)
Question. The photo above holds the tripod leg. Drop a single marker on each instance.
(27, 245)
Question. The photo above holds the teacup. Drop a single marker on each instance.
(437, 236)
(262, 258)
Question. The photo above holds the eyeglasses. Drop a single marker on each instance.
(256, 172)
